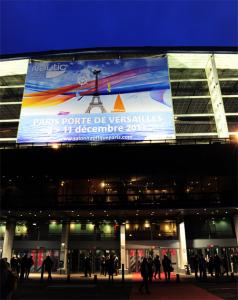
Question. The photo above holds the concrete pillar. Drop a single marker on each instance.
(216, 98)
(123, 244)
(182, 246)
(64, 246)
(8, 239)
(235, 220)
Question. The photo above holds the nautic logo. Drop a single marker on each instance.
(49, 67)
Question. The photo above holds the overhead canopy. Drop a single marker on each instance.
(41, 26)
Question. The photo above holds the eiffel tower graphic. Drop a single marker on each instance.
(96, 100)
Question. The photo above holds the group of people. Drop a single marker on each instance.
(150, 268)
(21, 266)
(109, 265)
(215, 265)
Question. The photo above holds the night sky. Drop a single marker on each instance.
(34, 26)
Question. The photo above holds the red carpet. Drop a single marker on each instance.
(169, 291)
(137, 277)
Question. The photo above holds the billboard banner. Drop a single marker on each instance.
(100, 100)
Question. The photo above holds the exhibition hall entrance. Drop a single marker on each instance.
(77, 259)
(135, 257)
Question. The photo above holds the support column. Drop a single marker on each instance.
(216, 98)
(64, 245)
(235, 220)
(123, 244)
(8, 239)
(182, 246)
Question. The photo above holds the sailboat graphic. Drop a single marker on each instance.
(118, 105)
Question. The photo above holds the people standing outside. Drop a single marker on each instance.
(217, 266)
(195, 265)
(150, 266)
(103, 263)
(210, 266)
(29, 264)
(157, 265)
(111, 268)
(225, 265)
(23, 267)
(47, 266)
(202, 265)
(144, 270)
(13, 264)
(116, 264)
(87, 266)
(167, 266)
(107, 261)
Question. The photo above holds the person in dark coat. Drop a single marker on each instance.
(157, 265)
(210, 266)
(13, 264)
(166, 263)
(87, 267)
(47, 266)
(202, 264)
(225, 265)
(103, 263)
(111, 267)
(195, 265)
(150, 266)
(144, 270)
(217, 266)
(29, 264)
(23, 267)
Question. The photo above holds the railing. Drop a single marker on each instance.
(179, 141)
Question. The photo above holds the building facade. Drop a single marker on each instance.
(175, 197)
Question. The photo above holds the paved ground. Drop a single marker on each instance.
(87, 289)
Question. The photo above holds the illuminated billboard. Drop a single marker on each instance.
(100, 100)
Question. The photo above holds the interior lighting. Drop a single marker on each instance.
(102, 184)
(147, 224)
(34, 224)
(72, 226)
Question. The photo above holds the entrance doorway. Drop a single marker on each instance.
(77, 259)
(135, 257)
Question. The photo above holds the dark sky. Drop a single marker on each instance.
(45, 25)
